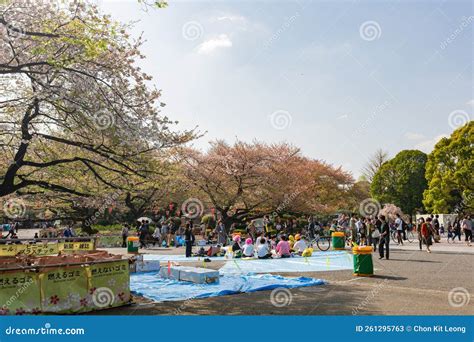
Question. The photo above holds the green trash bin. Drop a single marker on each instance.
(338, 242)
(363, 265)
(132, 244)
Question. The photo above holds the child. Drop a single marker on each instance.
(236, 249)
(247, 249)
(283, 247)
(291, 241)
(263, 251)
(300, 244)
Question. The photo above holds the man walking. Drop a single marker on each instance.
(384, 238)
(467, 228)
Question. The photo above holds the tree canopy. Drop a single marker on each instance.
(449, 172)
(401, 181)
(73, 101)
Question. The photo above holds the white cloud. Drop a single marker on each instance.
(470, 102)
(210, 45)
(428, 145)
(343, 116)
(413, 136)
(232, 18)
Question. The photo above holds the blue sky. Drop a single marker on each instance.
(339, 79)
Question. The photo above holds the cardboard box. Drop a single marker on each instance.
(191, 274)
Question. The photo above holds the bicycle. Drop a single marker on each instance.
(322, 242)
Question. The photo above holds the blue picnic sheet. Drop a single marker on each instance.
(152, 286)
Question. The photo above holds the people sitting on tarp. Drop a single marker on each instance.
(263, 250)
(214, 251)
(248, 249)
(300, 244)
(260, 237)
(236, 249)
(291, 241)
(283, 247)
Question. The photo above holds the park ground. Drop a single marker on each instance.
(412, 282)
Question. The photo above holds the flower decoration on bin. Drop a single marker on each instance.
(4, 311)
(20, 312)
(83, 301)
(92, 290)
(54, 299)
(36, 311)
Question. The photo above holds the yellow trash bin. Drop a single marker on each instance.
(338, 242)
(363, 265)
(132, 244)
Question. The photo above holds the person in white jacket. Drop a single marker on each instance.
(300, 244)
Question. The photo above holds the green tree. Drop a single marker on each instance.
(401, 181)
(449, 173)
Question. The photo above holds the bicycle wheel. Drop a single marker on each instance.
(410, 237)
(323, 243)
(393, 235)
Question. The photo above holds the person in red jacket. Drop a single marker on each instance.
(427, 233)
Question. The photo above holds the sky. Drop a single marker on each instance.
(339, 79)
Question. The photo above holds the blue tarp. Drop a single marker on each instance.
(152, 286)
(321, 261)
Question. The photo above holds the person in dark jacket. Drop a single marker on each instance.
(384, 238)
(189, 240)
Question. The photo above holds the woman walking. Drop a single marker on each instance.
(427, 234)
